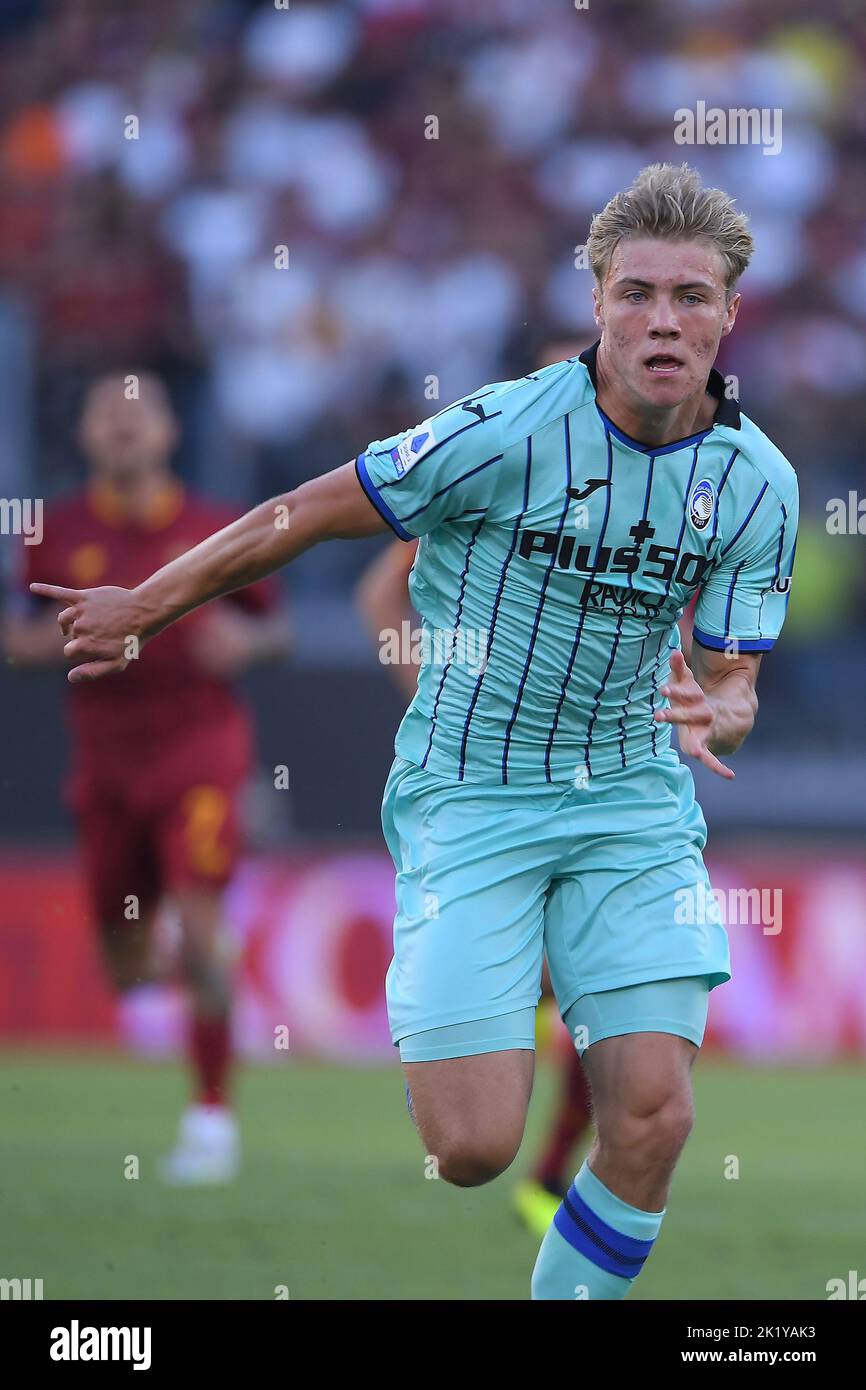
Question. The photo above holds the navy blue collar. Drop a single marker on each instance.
(672, 448)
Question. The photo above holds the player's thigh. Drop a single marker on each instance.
(123, 882)
(639, 1073)
(638, 1045)
(633, 901)
(472, 873)
(471, 1110)
(198, 837)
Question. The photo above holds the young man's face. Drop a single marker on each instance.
(126, 438)
(663, 313)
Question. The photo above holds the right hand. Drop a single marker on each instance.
(102, 626)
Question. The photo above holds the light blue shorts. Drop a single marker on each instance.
(659, 1006)
(491, 876)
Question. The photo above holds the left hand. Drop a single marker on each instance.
(692, 711)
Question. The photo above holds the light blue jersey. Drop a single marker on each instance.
(556, 556)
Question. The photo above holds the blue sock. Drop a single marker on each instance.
(596, 1245)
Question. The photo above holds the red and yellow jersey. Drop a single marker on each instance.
(165, 696)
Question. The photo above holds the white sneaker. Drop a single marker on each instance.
(207, 1149)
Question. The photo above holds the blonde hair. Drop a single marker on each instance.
(667, 202)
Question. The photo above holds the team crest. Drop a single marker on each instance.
(702, 504)
(413, 447)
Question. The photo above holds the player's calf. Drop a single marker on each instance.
(640, 1075)
(642, 1100)
(207, 978)
(208, 1147)
(635, 1153)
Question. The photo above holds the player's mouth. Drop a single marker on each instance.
(664, 364)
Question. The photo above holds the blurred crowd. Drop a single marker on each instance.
(318, 218)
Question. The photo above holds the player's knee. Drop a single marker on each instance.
(671, 1126)
(471, 1160)
(197, 963)
(124, 978)
(203, 957)
(123, 963)
(649, 1136)
(207, 974)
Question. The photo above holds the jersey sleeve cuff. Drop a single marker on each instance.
(381, 506)
(743, 644)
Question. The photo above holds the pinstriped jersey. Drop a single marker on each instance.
(557, 554)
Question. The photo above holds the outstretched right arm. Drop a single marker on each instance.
(103, 625)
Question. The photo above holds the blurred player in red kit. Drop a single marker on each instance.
(159, 760)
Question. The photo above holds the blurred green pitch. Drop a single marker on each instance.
(334, 1203)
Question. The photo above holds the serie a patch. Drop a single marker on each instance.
(416, 444)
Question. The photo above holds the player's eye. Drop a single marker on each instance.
(635, 294)
(693, 298)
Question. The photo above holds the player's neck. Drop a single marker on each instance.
(137, 494)
(649, 425)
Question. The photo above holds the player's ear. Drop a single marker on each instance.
(598, 307)
(731, 314)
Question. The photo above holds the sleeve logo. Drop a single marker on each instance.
(416, 444)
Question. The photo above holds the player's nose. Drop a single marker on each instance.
(663, 319)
